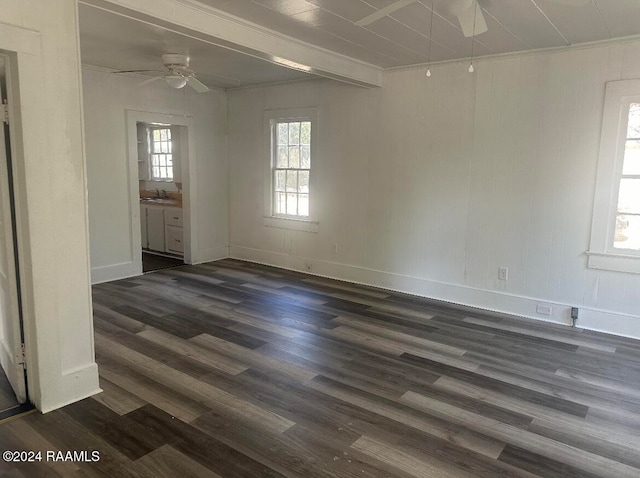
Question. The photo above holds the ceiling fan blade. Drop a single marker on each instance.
(136, 71)
(150, 80)
(383, 12)
(197, 85)
(470, 16)
(573, 3)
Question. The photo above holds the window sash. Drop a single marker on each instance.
(160, 153)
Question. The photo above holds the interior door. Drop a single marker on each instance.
(10, 335)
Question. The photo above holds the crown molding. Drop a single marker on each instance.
(192, 18)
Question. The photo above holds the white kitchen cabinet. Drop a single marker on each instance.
(161, 229)
(143, 226)
(155, 229)
(174, 240)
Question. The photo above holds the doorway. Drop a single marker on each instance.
(13, 383)
(162, 149)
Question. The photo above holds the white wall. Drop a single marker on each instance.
(106, 99)
(47, 137)
(429, 185)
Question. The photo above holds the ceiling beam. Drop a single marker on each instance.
(214, 26)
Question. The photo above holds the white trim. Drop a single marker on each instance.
(493, 301)
(114, 272)
(70, 380)
(208, 24)
(291, 224)
(212, 254)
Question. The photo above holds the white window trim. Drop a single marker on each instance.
(308, 223)
(601, 254)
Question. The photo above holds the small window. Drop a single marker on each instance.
(291, 167)
(160, 154)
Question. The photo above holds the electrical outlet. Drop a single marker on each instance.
(543, 309)
(334, 248)
(574, 316)
(503, 273)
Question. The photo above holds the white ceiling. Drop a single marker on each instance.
(402, 38)
(116, 42)
(119, 42)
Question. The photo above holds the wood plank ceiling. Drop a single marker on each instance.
(401, 39)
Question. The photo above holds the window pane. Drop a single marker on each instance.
(280, 203)
(292, 204)
(283, 133)
(280, 180)
(166, 147)
(629, 197)
(168, 134)
(632, 158)
(303, 182)
(156, 135)
(169, 160)
(292, 181)
(627, 232)
(282, 161)
(633, 130)
(305, 133)
(294, 157)
(156, 172)
(294, 133)
(163, 134)
(303, 205)
(305, 157)
(163, 173)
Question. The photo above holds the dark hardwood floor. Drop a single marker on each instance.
(236, 370)
(153, 262)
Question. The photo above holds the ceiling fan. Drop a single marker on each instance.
(464, 10)
(177, 73)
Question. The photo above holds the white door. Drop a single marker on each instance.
(10, 337)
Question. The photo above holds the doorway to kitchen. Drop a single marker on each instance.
(162, 189)
(13, 373)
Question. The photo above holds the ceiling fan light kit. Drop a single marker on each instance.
(176, 81)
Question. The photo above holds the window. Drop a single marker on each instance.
(615, 234)
(627, 229)
(291, 166)
(160, 153)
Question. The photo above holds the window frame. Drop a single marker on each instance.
(602, 254)
(285, 221)
(150, 142)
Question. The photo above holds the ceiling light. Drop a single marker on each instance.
(176, 81)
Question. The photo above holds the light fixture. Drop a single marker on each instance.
(430, 41)
(176, 81)
(473, 37)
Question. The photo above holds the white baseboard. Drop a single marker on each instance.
(115, 272)
(493, 301)
(212, 254)
(71, 387)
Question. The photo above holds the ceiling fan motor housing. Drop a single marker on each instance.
(175, 61)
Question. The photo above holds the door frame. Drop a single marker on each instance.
(187, 167)
(18, 220)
